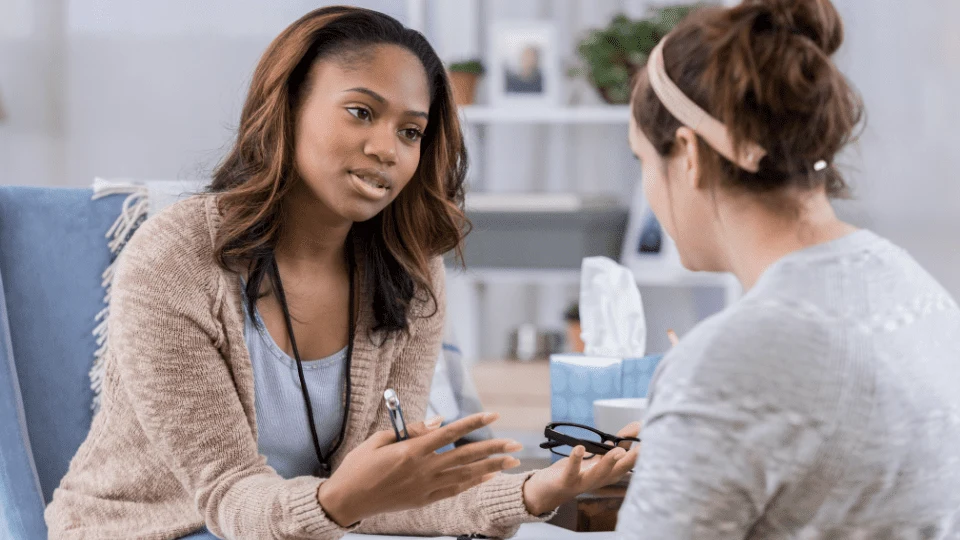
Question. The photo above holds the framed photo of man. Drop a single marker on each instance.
(524, 63)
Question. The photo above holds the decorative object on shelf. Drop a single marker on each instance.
(572, 318)
(523, 342)
(646, 246)
(613, 54)
(524, 63)
(464, 77)
(527, 342)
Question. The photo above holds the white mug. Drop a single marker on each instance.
(612, 415)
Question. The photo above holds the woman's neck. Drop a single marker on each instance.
(755, 236)
(311, 236)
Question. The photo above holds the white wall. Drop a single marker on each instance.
(144, 89)
(152, 89)
(904, 58)
(31, 87)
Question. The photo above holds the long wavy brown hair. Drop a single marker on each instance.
(395, 247)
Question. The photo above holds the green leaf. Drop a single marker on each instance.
(474, 66)
(610, 55)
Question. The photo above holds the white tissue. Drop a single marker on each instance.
(611, 312)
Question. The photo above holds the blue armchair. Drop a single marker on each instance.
(52, 253)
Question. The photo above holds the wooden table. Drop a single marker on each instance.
(520, 392)
(594, 511)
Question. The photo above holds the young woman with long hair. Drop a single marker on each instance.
(254, 329)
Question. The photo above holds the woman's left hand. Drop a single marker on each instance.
(549, 488)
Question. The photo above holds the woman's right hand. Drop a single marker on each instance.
(382, 475)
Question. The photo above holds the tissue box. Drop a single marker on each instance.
(577, 380)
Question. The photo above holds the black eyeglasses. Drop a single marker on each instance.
(563, 437)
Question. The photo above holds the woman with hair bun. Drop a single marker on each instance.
(826, 402)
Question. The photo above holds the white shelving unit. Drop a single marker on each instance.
(537, 202)
(550, 162)
(539, 159)
(610, 114)
(478, 119)
(678, 278)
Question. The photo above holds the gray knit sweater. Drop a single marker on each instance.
(823, 405)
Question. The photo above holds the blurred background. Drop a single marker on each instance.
(152, 89)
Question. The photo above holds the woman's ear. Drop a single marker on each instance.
(688, 154)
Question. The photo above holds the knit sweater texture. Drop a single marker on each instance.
(174, 446)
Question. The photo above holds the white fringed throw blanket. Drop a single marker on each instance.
(144, 199)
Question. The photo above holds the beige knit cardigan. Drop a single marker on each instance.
(174, 447)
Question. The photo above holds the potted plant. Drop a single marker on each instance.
(464, 76)
(612, 55)
(572, 318)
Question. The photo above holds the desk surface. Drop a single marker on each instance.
(528, 531)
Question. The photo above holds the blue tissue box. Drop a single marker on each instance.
(576, 381)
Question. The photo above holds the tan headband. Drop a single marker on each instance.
(691, 115)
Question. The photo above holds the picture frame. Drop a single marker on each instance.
(524, 64)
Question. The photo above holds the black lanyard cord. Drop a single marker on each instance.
(325, 469)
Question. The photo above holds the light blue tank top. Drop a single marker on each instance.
(282, 426)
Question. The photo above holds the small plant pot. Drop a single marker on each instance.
(574, 342)
(464, 86)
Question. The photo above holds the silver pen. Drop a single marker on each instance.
(396, 414)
